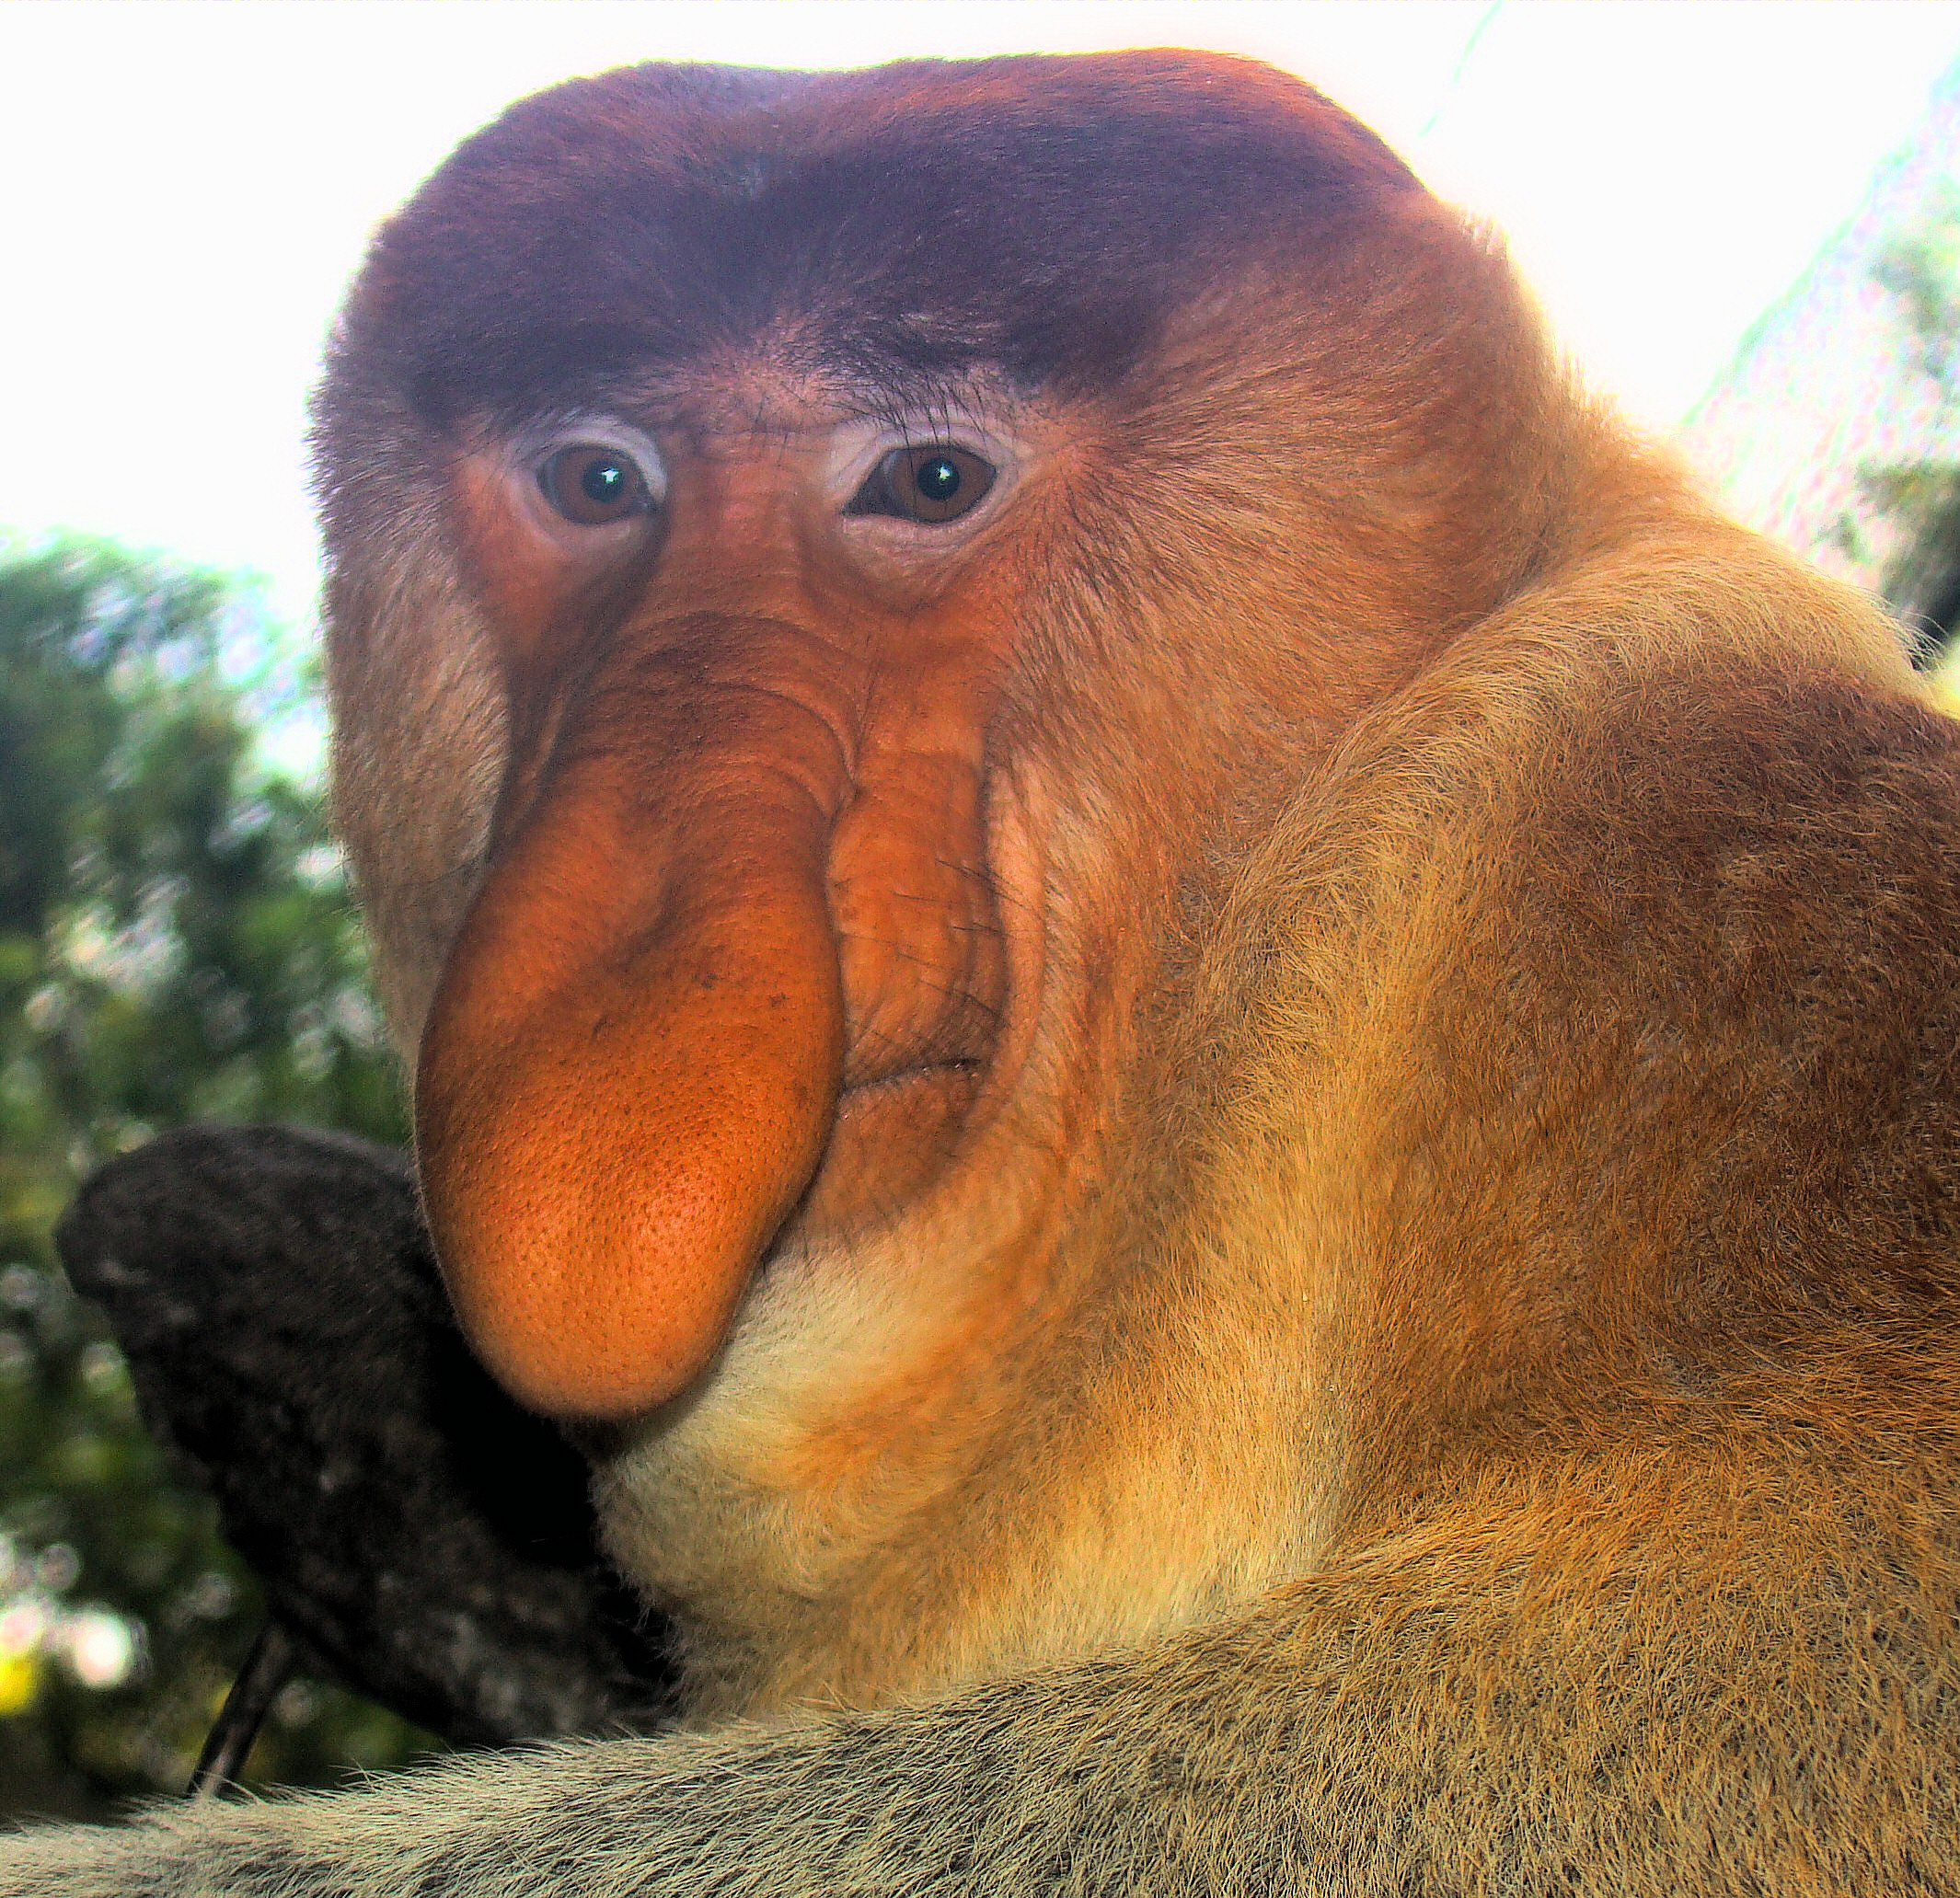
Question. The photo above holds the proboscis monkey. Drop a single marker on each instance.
(1219, 1062)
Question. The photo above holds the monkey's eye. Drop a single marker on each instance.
(591, 484)
(931, 484)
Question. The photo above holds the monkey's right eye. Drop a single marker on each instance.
(593, 485)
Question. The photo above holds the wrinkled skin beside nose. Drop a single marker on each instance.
(633, 1059)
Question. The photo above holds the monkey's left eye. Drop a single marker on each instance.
(931, 484)
(593, 485)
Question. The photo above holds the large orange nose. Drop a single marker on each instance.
(632, 1062)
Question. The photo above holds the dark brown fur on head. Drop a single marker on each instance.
(910, 227)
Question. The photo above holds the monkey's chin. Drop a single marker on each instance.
(893, 1138)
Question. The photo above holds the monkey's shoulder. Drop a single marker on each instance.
(1717, 989)
(1773, 842)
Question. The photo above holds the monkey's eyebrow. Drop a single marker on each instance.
(910, 399)
(913, 411)
(924, 412)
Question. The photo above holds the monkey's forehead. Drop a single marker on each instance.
(911, 227)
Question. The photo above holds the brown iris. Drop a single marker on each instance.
(593, 485)
(935, 483)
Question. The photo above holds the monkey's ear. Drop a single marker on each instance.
(429, 1542)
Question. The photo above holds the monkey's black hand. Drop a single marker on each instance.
(289, 1337)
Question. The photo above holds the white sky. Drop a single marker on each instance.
(191, 182)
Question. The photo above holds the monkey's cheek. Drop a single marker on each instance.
(892, 1139)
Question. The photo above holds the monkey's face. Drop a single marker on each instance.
(823, 569)
(741, 946)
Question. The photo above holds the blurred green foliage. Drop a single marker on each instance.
(1920, 501)
(175, 945)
